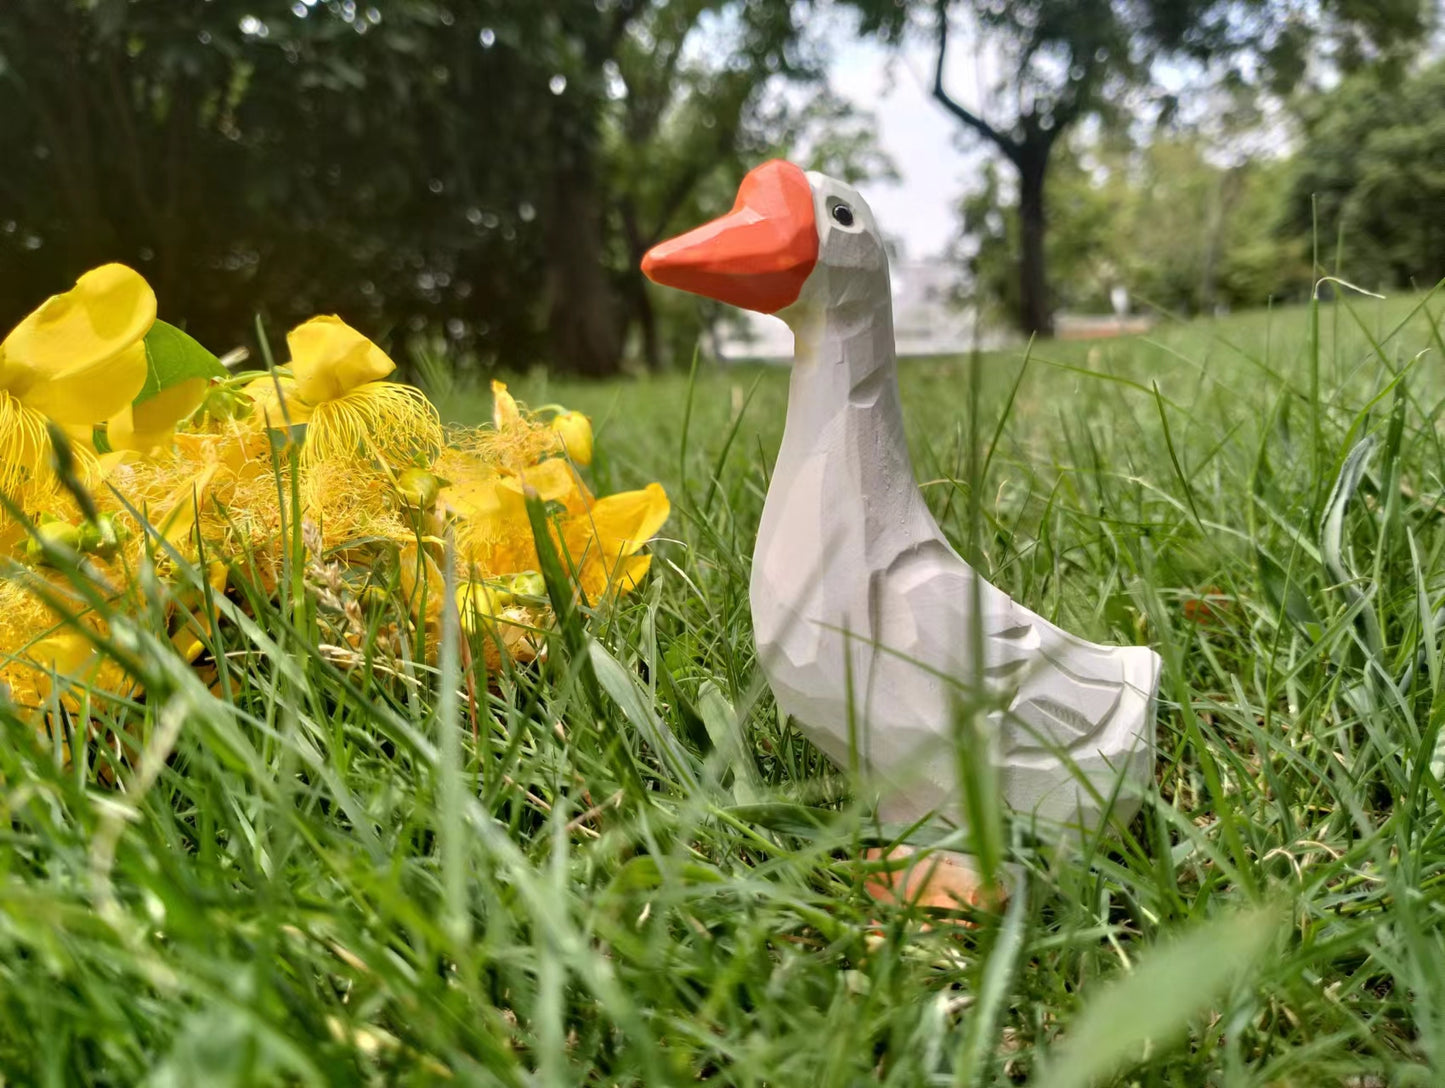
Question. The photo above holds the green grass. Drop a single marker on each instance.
(623, 869)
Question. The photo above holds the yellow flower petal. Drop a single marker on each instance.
(176, 519)
(185, 639)
(597, 580)
(80, 434)
(151, 423)
(624, 522)
(12, 533)
(107, 312)
(505, 412)
(485, 500)
(239, 452)
(554, 480)
(91, 394)
(601, 541)
(106, 464)
(422, 584)
(68, 654)
(494, 536)
(329, 359)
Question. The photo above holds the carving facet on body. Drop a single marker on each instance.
(864, 614)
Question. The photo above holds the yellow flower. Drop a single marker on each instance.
(599, 538)
(603, 543)
(336, 389)
(494, 536)
(490, 478)
(77, 360)
(275, 402)
(27, 673)
(575, 432)
(520, 439)
(189, 607)
(517, 439)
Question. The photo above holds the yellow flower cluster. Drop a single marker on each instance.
(219, 469)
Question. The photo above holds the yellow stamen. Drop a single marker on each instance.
(393, 422)
(25, 466)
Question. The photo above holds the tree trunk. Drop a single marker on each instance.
(646, 319)
(1224, 196)
(641, 309)
(1036, 311)
(585, 323)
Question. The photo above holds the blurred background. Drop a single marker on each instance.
(483, 176)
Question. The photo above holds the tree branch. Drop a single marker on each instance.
(1071, 103)
(1005, 144)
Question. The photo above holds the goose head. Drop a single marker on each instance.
(794, 243)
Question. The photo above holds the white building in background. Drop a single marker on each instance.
(926, 320)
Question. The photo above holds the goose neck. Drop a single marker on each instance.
(844, 358)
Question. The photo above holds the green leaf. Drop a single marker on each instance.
(625, 692)
(1153, 1004)
(1332, 525)
(1332, 547)
(728, 736)
(787, 818)
(172, 357)
(693, 727)
(1284, 592)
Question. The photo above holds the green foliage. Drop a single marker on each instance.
(1371, 172)
(1177, 231)
(1056, 62)
(244, 158)
(485, 172)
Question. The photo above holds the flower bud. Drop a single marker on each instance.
(479, 603)
(575, 431)
(101, 537)
(418, 488)
(374, 599)
(527, 584)
(56, 534)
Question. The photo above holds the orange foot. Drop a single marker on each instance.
(941, 880)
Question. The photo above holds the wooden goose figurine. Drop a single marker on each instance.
(864, 614)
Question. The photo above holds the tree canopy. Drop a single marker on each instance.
(1370, 178)
(1048, 64)
(489, 170)
(1175, 230)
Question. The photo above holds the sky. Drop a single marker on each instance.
(922, 140)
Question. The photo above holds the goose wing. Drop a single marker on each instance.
(1079, 715)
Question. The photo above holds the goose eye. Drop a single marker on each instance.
(843, 215)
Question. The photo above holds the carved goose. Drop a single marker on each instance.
(864, 614)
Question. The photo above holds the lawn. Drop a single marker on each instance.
(622, 868)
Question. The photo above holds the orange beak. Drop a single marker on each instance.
(758, 255)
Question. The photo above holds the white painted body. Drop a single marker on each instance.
(865, 615)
